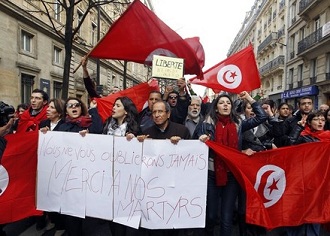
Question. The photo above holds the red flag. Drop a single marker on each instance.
(139, 94)
(285, 186)
(237, 73)
(18, 178)
(138, 34)
(196, 45)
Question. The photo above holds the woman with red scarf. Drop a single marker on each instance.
(310, 129)
(78, 119)
(223, 125)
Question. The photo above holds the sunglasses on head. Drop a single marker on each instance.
(72, 105)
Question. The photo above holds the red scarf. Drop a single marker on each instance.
(30, 123)
(322, 135)
(82, 121)
(226, 134)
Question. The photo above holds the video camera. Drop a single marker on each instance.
(6, 112)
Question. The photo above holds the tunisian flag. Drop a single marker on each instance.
(286, 186)
(138, 34)
(139, 94)
(235, 74)
(18, 177)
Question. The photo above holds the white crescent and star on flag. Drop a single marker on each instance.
(4, 179)
(270, 184)
(229, 76)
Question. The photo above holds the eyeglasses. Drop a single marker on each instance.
(73, 105)
(172, 97)
(318, 119)
(158, 112)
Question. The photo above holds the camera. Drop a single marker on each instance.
(6, 112)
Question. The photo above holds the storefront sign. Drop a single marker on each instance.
(299, 92)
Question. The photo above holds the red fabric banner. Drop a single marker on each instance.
(18, 178)
(138, 34)
(286, 186)
(139, 94)
(235, 74)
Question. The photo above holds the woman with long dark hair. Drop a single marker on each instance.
(123, 120)
(224, 126)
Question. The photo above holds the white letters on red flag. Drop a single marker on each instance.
(285, 186)
(237, 73)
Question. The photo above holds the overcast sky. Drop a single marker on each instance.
(216, 22)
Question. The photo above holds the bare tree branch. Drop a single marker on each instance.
(51, 20)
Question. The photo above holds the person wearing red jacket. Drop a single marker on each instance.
(30, 119)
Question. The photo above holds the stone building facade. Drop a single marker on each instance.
(291, 41)
(32, 54)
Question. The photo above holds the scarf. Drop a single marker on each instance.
(27, 122)
(115, 129)
(81, 121)
(226, 134)
(322, 135)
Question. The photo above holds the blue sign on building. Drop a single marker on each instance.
(300, 92)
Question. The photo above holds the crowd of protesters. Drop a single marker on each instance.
(244, 124)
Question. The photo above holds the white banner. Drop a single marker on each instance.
(155, 184)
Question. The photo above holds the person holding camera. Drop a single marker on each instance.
(6, 123)
(37, 111)
(3, 131)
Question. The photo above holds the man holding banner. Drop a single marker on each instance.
(163, 128)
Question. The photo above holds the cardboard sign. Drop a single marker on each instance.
(167, 67)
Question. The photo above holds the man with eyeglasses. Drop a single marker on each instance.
(163, 128)
(30, 119)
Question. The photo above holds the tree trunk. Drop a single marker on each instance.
(68, 49)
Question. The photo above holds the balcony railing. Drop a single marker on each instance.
(310, 40)
(277, 62)
(290, 86)
(303, 4)
(266, 42)
(300, 83)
